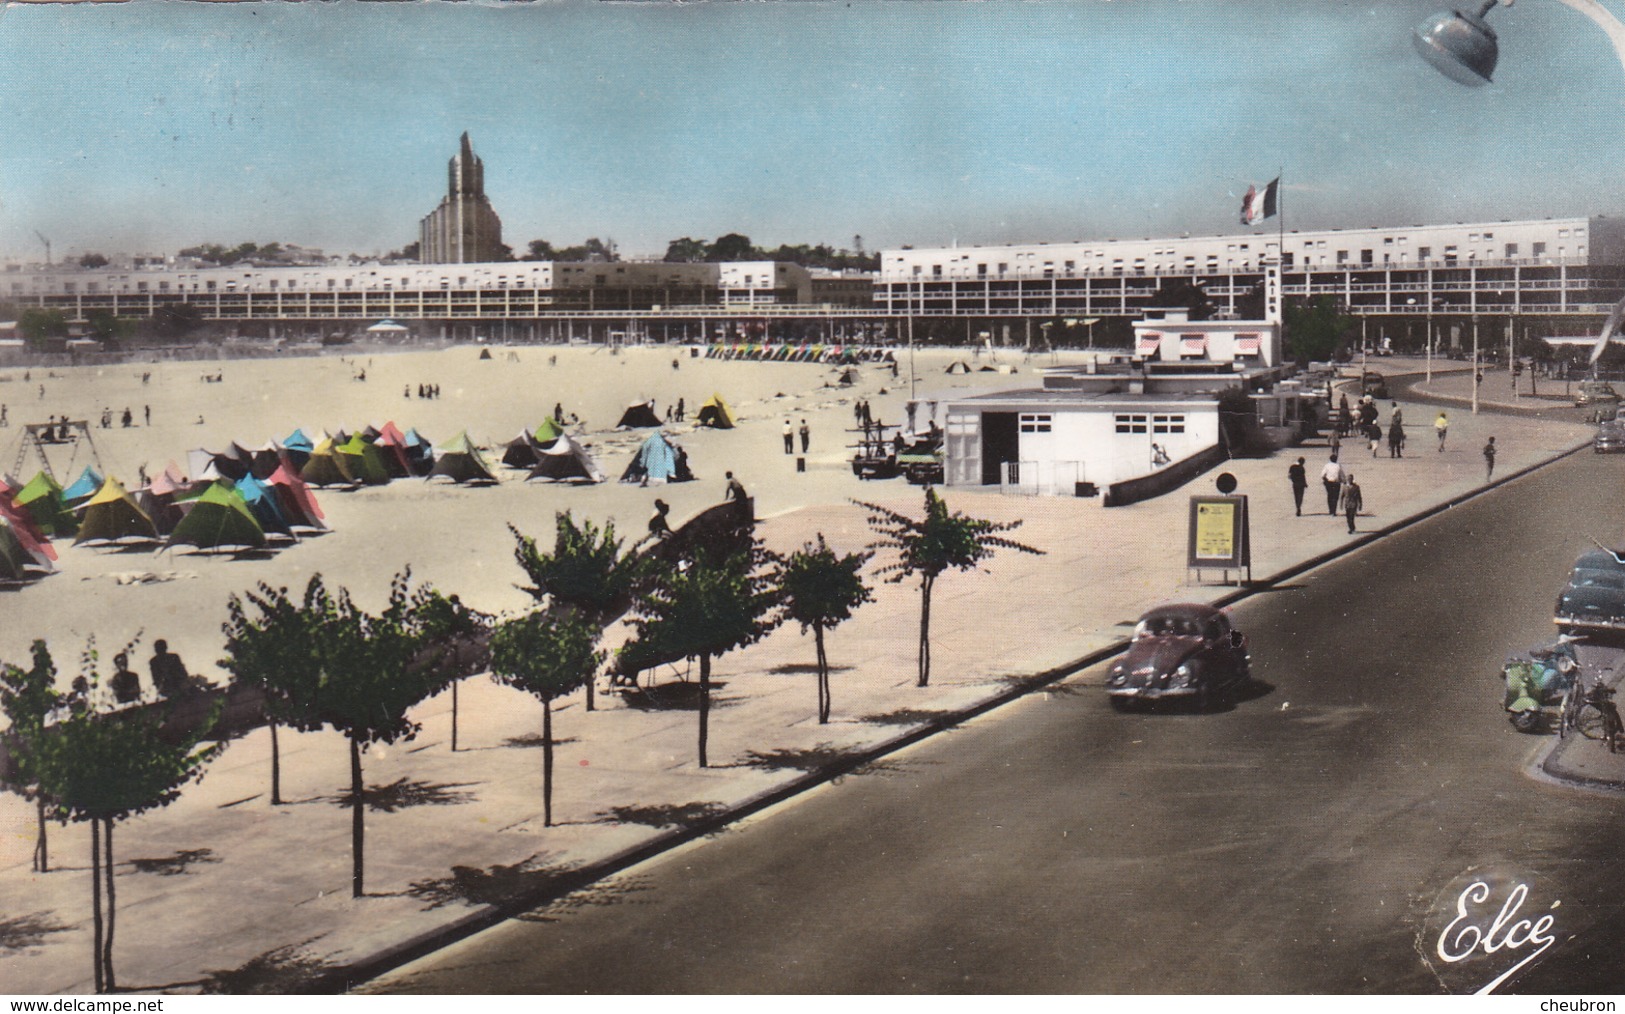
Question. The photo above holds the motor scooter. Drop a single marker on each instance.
(1536, 680)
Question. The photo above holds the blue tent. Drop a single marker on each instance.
(84, 487)
(297, 441)
(261, 500)
(658, 460)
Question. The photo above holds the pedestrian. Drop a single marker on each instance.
(558, 412)
(857, 412)
(3, 420)
(736, 489)
(806, 436)
(168, 672)
(128, 417)
(146, 415)
(1489, 459)
(676, 364)
(659, 527)
(789, 438)
(125, 683)
(1353, 501)
(1332, 478)
(1300, 482)
(1396, 438)
(1397, 417)
(1441, 426)
(1345, 416)
(1373, 434)
(681, 411)
(406, 391)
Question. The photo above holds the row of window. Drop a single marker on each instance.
(1129, 422)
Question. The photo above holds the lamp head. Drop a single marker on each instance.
(1459, 45)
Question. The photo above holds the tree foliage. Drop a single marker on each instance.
(39, 325)
(176, 320)
(108, 328)
(586, 570)
(940, 541)
(270, 650)
(737, 247)
(711, 603)
(93, 260)
(546, 655)
(820, 591)
(1316, 331)
(27, 698)
(594, 249)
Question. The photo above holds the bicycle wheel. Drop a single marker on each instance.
(1591, 723)
(1568, 711)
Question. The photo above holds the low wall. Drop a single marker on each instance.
(1119, 494)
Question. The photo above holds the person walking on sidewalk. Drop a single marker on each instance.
(1352, 502)
(789, 438)
(1489, 459)
(1396, 438)
(1300, 482)
(806, 436)
(1441, 426)
(1332, 478)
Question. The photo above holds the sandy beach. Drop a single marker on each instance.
(455, 537)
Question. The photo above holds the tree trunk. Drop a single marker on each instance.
(454, 715)
(276, 768)
(112, 910)
(823, 677)
(42, 856)
(547, 762)
(591, 678)
(356, 829)
(925, 631)
(96, 898)
(705, 702)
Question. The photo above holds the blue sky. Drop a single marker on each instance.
(148, 126)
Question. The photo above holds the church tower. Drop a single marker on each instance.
(463, 229)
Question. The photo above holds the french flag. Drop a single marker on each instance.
(1256, 207)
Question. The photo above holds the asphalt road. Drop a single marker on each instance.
(1315, 837)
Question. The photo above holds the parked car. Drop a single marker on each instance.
(1374, 384)
(1594, 595)
(1610, 437)
(1188, 650)
(1596, 392)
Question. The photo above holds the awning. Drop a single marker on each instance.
(1150, 342)
(1248, 344)
(1193, 344)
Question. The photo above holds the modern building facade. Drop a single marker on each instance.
(1566, 267)
(464, 229)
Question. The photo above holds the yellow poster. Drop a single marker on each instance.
(1215, 531)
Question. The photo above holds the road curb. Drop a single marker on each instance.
(344, 978)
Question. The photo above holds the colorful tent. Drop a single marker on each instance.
(262, 503)
(460, 461)
(549, 431)
(715, 413)
(219, 521)
(326, 467)
(658, 460)
(566, 461)
(637, 415)
(298, 448)
(521, 451)
(298, 504)
(42, 499)
(419, 452)
(391, 444)
(18, 561)
(113, 517)
(22, 524)
(363, 460)
(82, 488)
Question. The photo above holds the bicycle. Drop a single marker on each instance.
(1598, 718)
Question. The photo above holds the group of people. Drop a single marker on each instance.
(168, 672)
(1341, 489)
(677, 412)
(425, 391)
(128, 418)
(790, 434)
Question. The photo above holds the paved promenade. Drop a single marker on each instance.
(224, 892)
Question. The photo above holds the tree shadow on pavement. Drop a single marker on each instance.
(672, 697)
(175, 865)
(402, 794)
(804, 668)
(536, 740)
(495, 885)
(905, 716)
(822, 756)
(678, 815)
(288, 969)
(26, 932)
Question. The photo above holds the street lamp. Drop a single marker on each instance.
(1463, 47)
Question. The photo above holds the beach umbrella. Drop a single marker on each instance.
(112, 517)
(460, 461)
(219, 521)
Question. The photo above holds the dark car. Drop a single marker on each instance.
(1595, 594)
(1374, 384)
(1187, 650)
(1610, 437)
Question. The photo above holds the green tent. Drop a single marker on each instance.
(219, 521)
(548, 432)
(42, 499)
(363, 460)
(112, 516)
(460, 461)
(325, 467)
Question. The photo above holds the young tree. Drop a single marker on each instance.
(586, 573)
(102, 768)
(711, 603)
(820, 591)
(27, 697)
(272, 651)
(931, 545)
(546, 655)
(370, 672)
